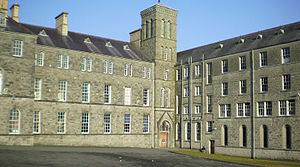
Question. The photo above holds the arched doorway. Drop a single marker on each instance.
(164, 134)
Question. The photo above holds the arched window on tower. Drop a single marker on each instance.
(162, 31)
(152, 28)
(166, 53)
(147, 29)
(162, 97)
(169, 29)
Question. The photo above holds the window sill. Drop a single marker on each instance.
(285, 116)
(242, 117)
(107, 133)
(225, 118)
(17, 56)
(264, 116)
(285, 90)
(224, 95)
(208, 133)
(208, 84)
(85, 133)
(242, 94)
(263, 92)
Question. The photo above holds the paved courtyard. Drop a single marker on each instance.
(106, 157)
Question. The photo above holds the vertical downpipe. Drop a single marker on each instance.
(202, 100)
(190, 101)
(181, 105)
(153, 104)
(252, 106)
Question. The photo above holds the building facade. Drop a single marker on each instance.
(238, 97)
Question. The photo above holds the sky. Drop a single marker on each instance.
(200, 22)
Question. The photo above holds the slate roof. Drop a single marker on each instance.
(75, 41)
(270, 37)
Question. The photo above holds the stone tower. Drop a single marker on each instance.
(157, 39)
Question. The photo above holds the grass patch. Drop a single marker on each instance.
(240, 160)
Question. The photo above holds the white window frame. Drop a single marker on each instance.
(288, 106)
(197, 90)
(107, 94)
(149, 73)
(146, 97)
(176, 73)
(127, 96)
(243, 62)
(83, 64)
(209, 73)
(242, 107)
(224, 66)
(144, 72)
(197, 132)
(105, 67)
(41, 59)
(14, 121)
(209, 103)
(166, 74)
(37, 89)
(264, 84)
(286, 82)
(107, 123)
(85, 123)
(125, 69)
(285, 55)
(186, 110)
(166, 54)
(188, 131)
(61, 122)
(59, 61)
(162, 97)
(263, 59)
(168, 98)
(243, 83)
(18, 48)
(111, 68)
(86, 91)
(62, 90)
(197, 110)
(127, 123)
(197, 70)
(186, 92)
(225, 89)
(186, 72)
(209, 126)
(66, 62)
(36, 122)
(146, 124)
(262, 111)
(130, 70)
(90, 65)
(227, 111)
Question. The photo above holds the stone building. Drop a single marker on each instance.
(239, 96)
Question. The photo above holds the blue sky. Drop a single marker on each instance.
(200, 22)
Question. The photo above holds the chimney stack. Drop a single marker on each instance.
(62, 23)
(3, 6)
(14, 11)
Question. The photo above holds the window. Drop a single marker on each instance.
(59, 61)
(127, 121)
(146, 124)
(285, 55)
(286, 82)
(178, 131)
(243, 87)
(264, 108)
(225, 111)
(152, 26)
(209, 103)
(197, 70)
(224, 66)
(144, 72)
(166, 54)
(66, 62)
(18, 48)
(107, 94)
(37, 89)
(85, 123)
(243, 110)
(162, 52)
(107, 123)
(149, 73)
(166, 74)
(111, 68)
(209, 125)
(209, 73)
(186, 72)
(62, 91)
(168, 98)
(188, 131)
(61, 122)
(146, 97)
(90, 64)
(162, 30)
(168, 29)
(263, 59)
(147, 29)
(36, 122)
(224, 88)
(83, 64)
(264, 137)
(14, 121)
(176, 104)
(244, 136)
(125, 69)
(186, 92)
(243, 63)
(288, 137)
(162, 97)
(1, 82)
(197, 110)
(85, 92)
(264, 84)
(130, 70)
(127, 99)
(41, 59)
(198, 131)
(197, 91)
(287, 107)
(105, 67)
(186, 110)
(177, 75)
(170, 53)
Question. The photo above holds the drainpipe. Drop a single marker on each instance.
(252, 106)
(202, 101)
(181, 105)
(190, 100)
(153, 104)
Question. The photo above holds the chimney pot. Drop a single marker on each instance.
(14, 10)
(62, 23)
